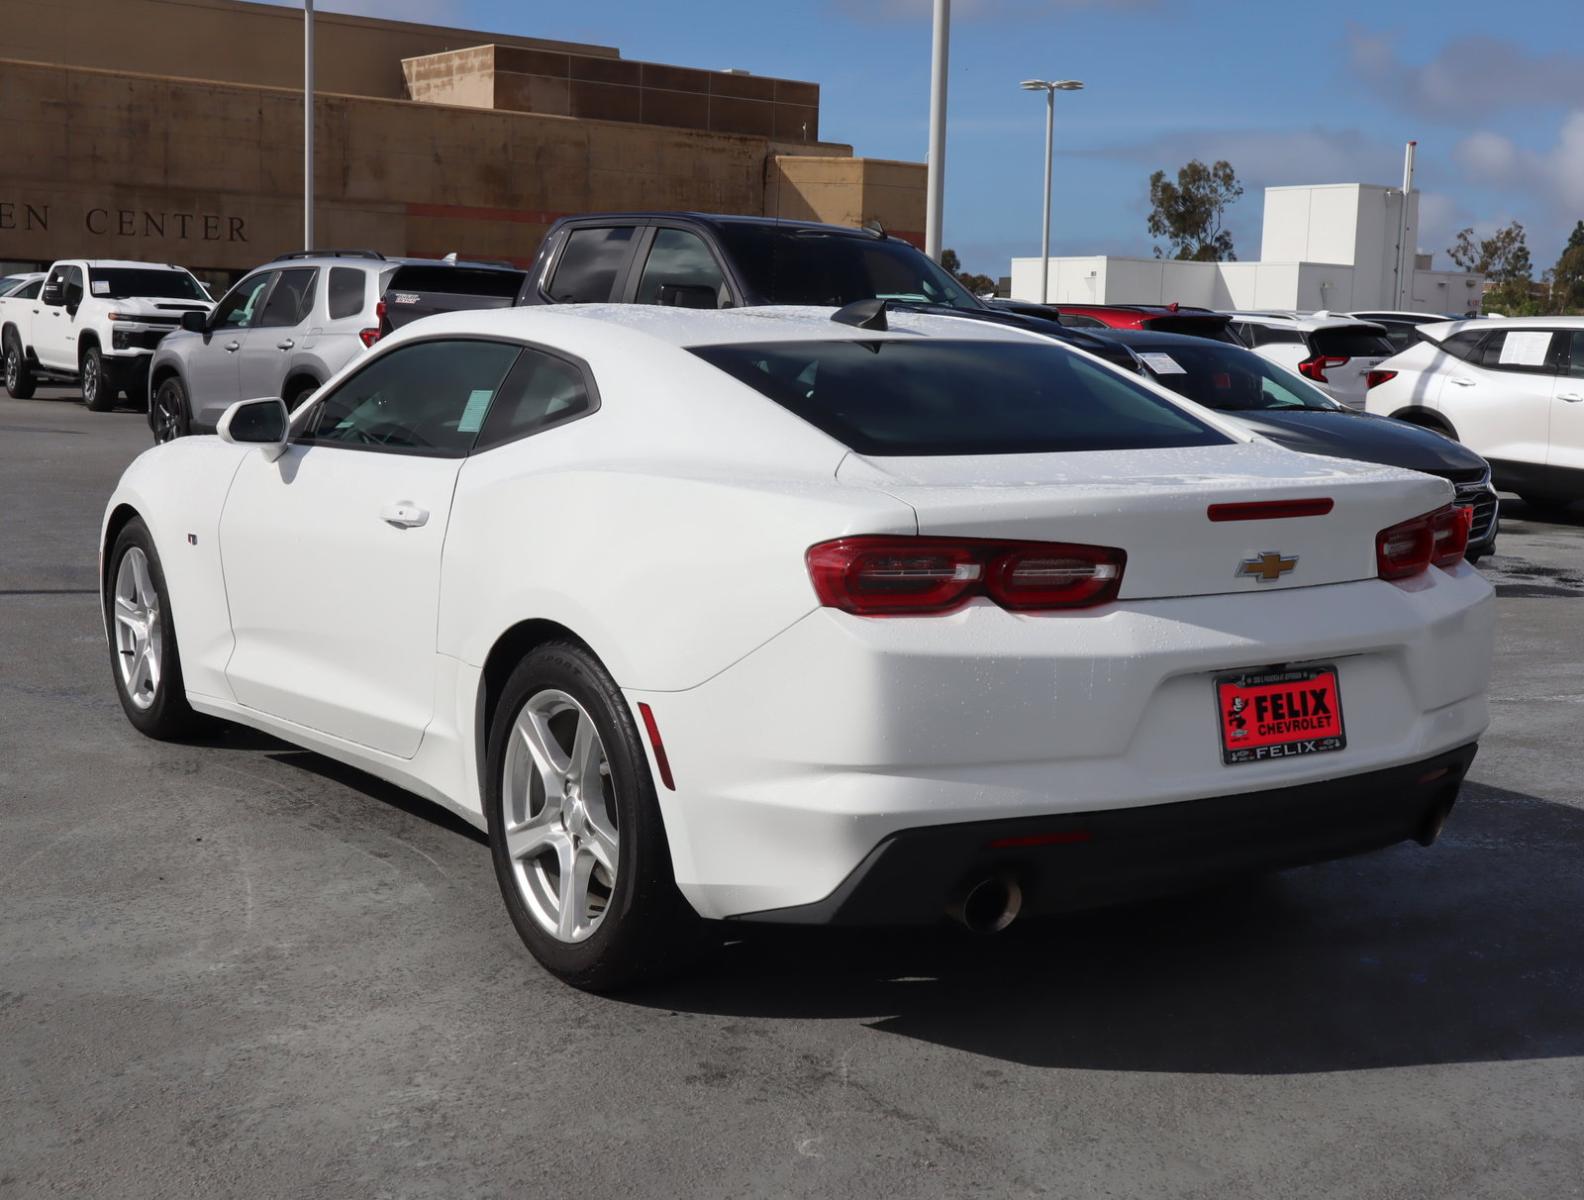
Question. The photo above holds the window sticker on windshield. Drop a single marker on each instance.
(1162, 364)
(1525, 348)
(101, 287)
(477, 405)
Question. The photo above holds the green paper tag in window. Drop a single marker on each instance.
(473, 415)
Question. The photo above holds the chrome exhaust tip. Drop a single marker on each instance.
(988, 905)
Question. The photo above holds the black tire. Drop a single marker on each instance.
(647, 927)
(137, 396)
(169, 416)
(166, 716)
(97, 393)
(19, 381)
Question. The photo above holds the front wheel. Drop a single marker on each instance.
(168, 412)
(575, 831)
(19, 382)
(97, 393)
(144, 660)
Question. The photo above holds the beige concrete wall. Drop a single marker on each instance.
(209, 175)
(847, 191)
(237, 42)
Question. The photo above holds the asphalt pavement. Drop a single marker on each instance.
(238, 969)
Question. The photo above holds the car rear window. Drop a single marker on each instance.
(1214, 328)
(808, 266)
(1350, 343)
(937, 397)
(497, 282)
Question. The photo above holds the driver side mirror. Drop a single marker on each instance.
(195, 322)
(51, 294)
(259, 423)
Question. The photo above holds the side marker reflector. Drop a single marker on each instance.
(657, 745)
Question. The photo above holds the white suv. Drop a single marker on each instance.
(1512, 390)
(1334, 353)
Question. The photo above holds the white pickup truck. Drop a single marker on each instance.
(95, 323)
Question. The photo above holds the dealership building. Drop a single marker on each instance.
(172, 130)
(1329, 246)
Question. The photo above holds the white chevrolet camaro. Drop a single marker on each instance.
(772, 616)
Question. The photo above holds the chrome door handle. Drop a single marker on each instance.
(404, 514)
(286, 345)
(233, 347)
(1462, 382)
(1571, 397)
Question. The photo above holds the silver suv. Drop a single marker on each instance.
(282, 331)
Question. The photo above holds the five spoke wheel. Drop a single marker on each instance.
(138, 634)
(561, 825)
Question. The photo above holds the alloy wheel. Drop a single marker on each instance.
(139, 634)
(90, 379)
(13, 367)
(559, 808)
(167, 417)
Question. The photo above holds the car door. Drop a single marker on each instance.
(269, 343)
(213, 371)
(332, 552)
(1566, 447)
(680, 270)
(1499, 399)
(47, 333)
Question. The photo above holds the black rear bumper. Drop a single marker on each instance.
(1085, 860)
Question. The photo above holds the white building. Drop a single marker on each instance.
(1328, 246)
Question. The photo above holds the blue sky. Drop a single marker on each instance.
(1287, 92)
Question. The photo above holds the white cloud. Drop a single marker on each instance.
(1556, 174)
(1469, 77)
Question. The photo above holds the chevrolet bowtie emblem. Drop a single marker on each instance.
(1267, 567)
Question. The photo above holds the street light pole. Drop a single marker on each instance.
(308, 125)
(935, 180)
(1050, 88)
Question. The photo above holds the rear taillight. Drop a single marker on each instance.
(1374, 378)
(369, 336)
(1316, 365)
(1435, 539)
(920, 576)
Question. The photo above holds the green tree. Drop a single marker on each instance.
(979, 285)
(1503, 258)
(1188, 213)
(1567, 278)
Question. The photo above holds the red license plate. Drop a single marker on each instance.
(1279, 714)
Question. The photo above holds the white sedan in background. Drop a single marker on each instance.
(1511, 390)
(783, 616)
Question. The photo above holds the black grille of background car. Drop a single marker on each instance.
(1480, 497)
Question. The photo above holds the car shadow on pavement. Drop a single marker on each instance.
(1469, 951)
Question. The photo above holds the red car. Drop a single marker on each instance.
(1159, 318)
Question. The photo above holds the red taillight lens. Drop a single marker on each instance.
(369, 336)
(1438, 538)
(1375, 378)
(919, 576)
(1316, 366)
(1271, 510)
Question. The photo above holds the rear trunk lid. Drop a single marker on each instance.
(1154, 504)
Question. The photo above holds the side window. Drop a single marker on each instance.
(541, 391)
(240, 303)
(1464, 345)
(292, 298)
(590, 262)
(1271, 335)
(681, 271)
(73, 292)
(348, 292)
(426, 398)
(1525, 351)
(29, 291)
(1576, 355)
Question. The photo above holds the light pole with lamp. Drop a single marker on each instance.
(1050, 87)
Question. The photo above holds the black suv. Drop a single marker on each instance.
(706, 260)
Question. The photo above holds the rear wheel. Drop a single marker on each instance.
(168, 413)
(19, 382)
(575, 830)
(144, 659)
(97, 393)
